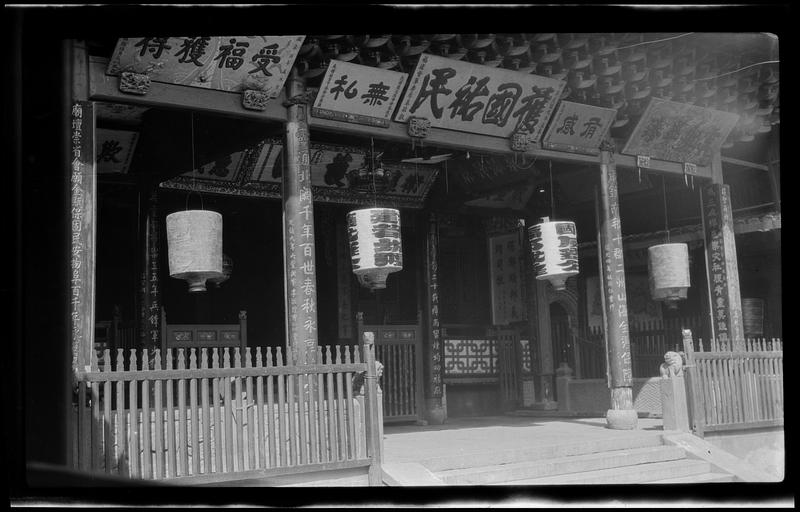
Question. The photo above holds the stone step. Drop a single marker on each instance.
(560, 465)
(638, 474)
(469, 460)
(698, 479)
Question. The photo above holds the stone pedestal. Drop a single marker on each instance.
(673, 404)
(435, 411)
(563, 378)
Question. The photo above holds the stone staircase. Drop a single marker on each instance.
(629, 460)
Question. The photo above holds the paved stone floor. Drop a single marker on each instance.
(459, 436)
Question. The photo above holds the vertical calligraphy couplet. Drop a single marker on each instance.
(616, 298)
(83, 190)
(621, 415)
(150, 287)
(433, 387)
(723, 275)
(298, 216)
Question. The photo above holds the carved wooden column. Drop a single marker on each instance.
(150, 285)
(435, 411)
(298, 228)
(622, 415)
(721, 265)
(546, 368)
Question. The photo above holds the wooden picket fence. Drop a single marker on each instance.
(649, 341)
(199, 418)
(732, 388)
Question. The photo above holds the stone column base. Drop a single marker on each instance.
(622, 419)
(435, 411)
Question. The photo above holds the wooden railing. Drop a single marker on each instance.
(217, 416)
(734, 388)
(649, 341)
(399, 349)
(470, 352)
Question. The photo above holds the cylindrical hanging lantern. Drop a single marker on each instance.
(194, 239)
(668, 266)
(375, 247)
(227, 270)
(753, 316)
(554, 247)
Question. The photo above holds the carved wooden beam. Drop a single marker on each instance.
(106, 88)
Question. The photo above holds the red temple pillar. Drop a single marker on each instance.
(298, 228)
(621, 415)
(435, 410)
(721, 263)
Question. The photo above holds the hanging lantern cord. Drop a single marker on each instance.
(666, 217)
(194, 182)
(552, 202)
(372, 172)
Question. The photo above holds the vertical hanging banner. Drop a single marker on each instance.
(467, 97)
(83, 192)
(578, 128)
(358, 94)
(227, 63)
(723, 274)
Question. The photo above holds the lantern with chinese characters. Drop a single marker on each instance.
(554, 248)
(227, 270)
(668, 266)
(753, 317)
(375, 247)
(194, 240)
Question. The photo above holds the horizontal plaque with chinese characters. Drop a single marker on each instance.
(680, 132)
(358, 94)
(115, 150)
(468, 97)
(335, 172)
(224, 63)
(578, 128)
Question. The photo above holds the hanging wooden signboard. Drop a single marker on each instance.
(257, 172)
(680, 132)
(115, 150)
(223, 63)
(578, 128)
(467, 97)
(513, 197)
(358, 94)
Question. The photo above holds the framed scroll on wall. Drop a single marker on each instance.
(507, 278)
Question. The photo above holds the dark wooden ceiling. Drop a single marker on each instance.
(614, 70)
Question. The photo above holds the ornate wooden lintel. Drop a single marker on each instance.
(134, 83)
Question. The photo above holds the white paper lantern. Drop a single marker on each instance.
(554, 247)
(753, 316)
(227, 270)
(668, 266)
(194, 239)
(375, 247)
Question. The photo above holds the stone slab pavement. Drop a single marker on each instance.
(462, 436)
